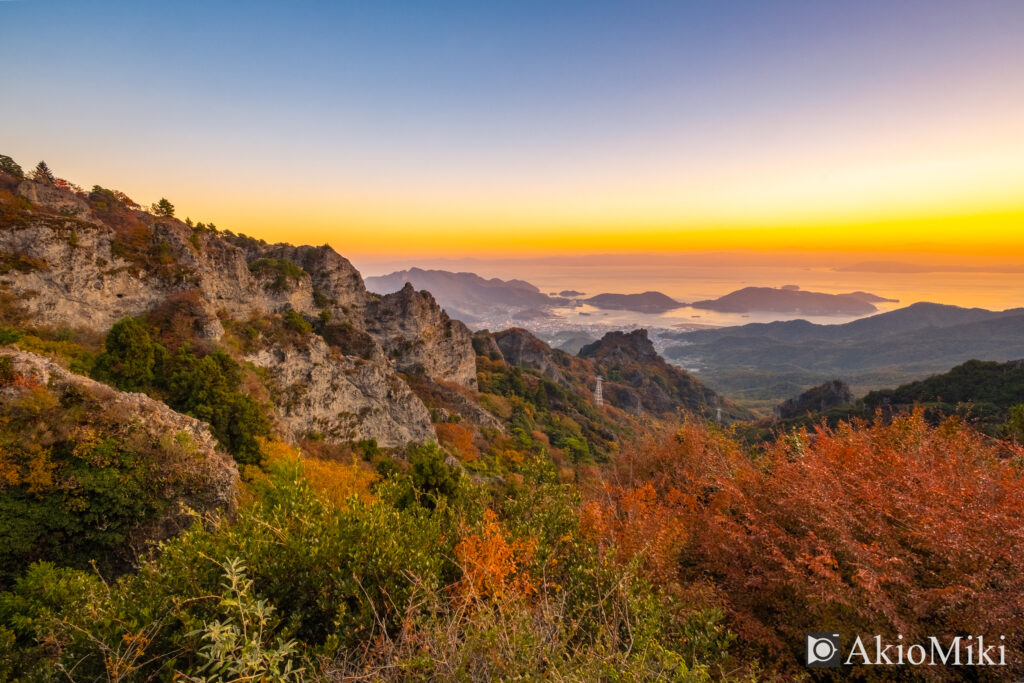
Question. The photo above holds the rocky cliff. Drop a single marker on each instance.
(320, 391)
(519, 347)
(75, 260)
(419, 337)
(816, 400)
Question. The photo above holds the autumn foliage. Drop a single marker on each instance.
(457, 438)
(896, 529)
(490, 563)
(335, 482)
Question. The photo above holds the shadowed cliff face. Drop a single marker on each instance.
(638, 379)
(68, 261)
(521, 348)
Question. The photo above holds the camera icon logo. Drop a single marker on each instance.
(823, 650)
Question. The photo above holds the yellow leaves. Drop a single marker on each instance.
(86, 440)
(8, 469)
(338, 482)
(335, 482)
(513, 456)
(39, 469)
(36, 401)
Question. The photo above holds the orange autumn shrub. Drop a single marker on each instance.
(641, 524)
(891, 529)
(491, 564)
(457, 438)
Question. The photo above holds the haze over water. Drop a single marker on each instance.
(689, 282)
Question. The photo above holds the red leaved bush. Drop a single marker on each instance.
(891, 529)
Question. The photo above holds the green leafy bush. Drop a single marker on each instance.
(207, 387)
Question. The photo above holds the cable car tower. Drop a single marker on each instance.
(598, 394)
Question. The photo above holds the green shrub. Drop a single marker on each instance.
(281, 270)
(206, 387)
(11, 167)
(295, 322)
(209, 388)
(130, 356)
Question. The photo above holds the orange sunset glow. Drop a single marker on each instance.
(820, 130)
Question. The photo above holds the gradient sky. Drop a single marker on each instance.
(465, 128)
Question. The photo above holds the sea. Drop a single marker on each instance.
(687, 283)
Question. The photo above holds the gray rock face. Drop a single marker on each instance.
(622, 347)
(341, 397)
(484, 345)
(84, 285)
(200, 477)
(330, 273)
(420, 337)
(90, 272)
(521, 348)
(60, 200)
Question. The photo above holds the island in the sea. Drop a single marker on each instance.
(790, 299)
(645, 302)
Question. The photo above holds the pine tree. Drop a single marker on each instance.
(163, 208)
(11, 167)
(43, 174)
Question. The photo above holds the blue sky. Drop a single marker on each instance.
(382, 114)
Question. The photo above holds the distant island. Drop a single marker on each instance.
(790, 299)
(646, 302)
(570, 293)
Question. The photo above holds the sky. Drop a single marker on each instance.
(473, 129)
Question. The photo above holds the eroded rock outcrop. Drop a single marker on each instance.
(66, 264)
(637, 379)
(420, 337)
(521, 348)
(816, 400)
(342, 398)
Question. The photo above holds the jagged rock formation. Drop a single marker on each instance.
(485, 345)
(187, 471)
(420, 337)
(638, 379)
(67, 263)
(342, 398)
(618, 348)
(331, 275)
(521, 348)
(816, 400)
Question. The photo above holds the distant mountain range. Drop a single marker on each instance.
(763, 363)
(475, 300)
(791, 299)
(467, 296)
(471, 298)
